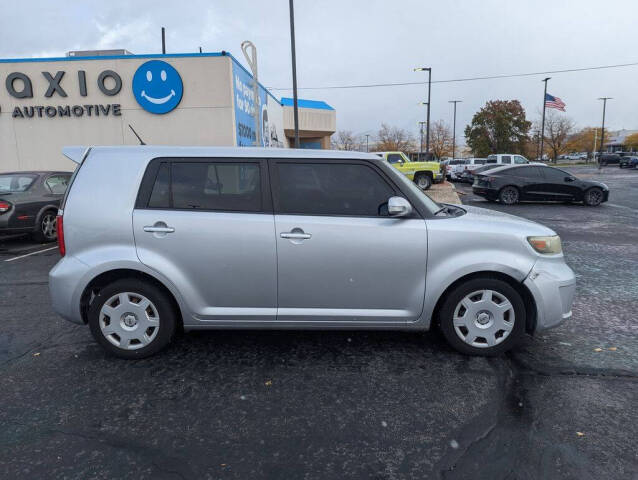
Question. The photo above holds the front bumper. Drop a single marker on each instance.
(552, 284)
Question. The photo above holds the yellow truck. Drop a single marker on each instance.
(423, 174)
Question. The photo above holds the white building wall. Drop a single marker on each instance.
(204, 116)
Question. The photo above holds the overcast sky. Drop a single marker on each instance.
(373, 41)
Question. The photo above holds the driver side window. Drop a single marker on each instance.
(332, 188)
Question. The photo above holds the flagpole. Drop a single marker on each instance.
(543, 121)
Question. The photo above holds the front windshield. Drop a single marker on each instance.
(403, 181)
(19, 182)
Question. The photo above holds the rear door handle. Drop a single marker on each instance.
(159, 229)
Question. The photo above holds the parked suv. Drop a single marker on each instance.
(424, 174)
(159, 238)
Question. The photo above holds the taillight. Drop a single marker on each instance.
(4, 206)
(59, 225)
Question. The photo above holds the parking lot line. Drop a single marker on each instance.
(29, 254)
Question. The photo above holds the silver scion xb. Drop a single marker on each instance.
(156, 239)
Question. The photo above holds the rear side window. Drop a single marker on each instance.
(58, 184)
(506, 159)
(526, 172)
(225, 186)
(332, 189)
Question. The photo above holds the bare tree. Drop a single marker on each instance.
(343, 140)
(441, 139)
(558, 129)
(394, 139)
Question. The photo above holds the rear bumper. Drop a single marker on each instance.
(552, 284)
(64, 279)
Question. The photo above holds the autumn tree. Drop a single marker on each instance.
(393, 139)
(631, 141)
(499, 127)
(585, 140)
(558, 128)
(440, 139)
(343, 140)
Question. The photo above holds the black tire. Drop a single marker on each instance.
(423, 181)
(593, 197)
(508, 195)
(447, 310)
(167, 317)
(45, 229)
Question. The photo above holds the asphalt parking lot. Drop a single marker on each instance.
(294, 405)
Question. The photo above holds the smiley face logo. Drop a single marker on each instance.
(157, 87)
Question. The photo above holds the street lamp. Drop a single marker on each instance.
(454, 126)
(602, 133)
(427, 135)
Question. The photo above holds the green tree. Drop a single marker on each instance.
(499, 127)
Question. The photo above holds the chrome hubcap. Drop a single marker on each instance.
(595, 196)
(484, 318)
(129, 320)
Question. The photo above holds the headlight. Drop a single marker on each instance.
(546, 245)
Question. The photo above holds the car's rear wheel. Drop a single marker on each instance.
(483, 316)
(47, 227)
(423, 181)
(508, 195)
(131, 318)
(593, 197)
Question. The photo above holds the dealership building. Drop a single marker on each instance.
(89, 98)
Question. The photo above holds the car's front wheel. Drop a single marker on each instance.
(131, 318)
(483, 316)
(593, 197)
(423, 181)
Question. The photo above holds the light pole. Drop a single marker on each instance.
(427, 134)
(543, 121)
(602, 130)
(421, 132)
(367, 137)
(294, 73)
(454, 127)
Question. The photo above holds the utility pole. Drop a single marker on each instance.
(367, 137)
(602, 130)
(454, 127)
(294, 73)
(543, 121)
(163, 40)
(427, 134)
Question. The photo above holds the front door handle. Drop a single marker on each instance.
(295, 235)
(158, 229)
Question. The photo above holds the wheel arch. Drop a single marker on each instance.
(523, 291)
(426, 172)
(110, 276)
(41, 212)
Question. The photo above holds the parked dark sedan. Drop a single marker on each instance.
(29, 203)
(511, 184)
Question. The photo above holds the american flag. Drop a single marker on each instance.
(554, 102)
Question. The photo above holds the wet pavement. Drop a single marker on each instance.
(335, 404)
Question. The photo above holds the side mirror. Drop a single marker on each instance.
(399, 207)
(569, 179)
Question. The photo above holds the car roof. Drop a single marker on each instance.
(34, 172)
(234, 152)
